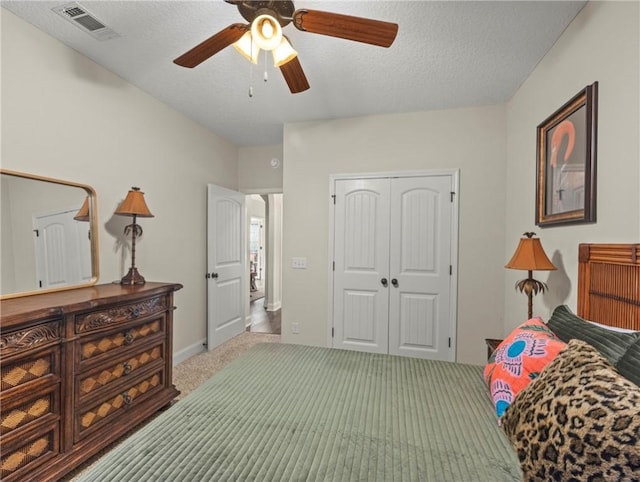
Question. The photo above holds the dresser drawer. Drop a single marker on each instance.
(116, 404)
(125, 313)
(91, 349)
(24, 412)
(37, 368)
(14, 343)
(29, 452)
(125, 367)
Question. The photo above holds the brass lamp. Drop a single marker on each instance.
(133, 205)
(530, 256)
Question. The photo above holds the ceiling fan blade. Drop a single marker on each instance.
(212, 45)
(369, 31)
(294, 76)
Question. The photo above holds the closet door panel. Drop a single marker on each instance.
(419, 259)
(361, 263)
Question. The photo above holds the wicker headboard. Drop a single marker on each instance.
(609, 284)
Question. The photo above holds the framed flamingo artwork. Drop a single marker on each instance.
(566, 162)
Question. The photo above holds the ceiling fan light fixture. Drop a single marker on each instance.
(266, 32)
(283, 53)
(248, 48)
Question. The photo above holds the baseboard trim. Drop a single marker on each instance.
(188, 352)
(274, 306)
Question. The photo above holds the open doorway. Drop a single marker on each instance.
(256, 257)
(264, 214)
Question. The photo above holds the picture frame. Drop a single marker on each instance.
(566, 162)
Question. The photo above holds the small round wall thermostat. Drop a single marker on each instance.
(275, 162)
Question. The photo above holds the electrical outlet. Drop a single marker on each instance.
(295, 328)
(299, 263)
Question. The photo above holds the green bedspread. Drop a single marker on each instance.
(297, 413)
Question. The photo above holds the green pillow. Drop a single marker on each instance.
(612, 344)
(629, 364)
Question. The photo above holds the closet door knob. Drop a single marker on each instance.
(394, 282)
(383, 281)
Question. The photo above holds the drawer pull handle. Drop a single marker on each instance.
(127, 368)
(128, 337)
(126, 398)
(135, 312)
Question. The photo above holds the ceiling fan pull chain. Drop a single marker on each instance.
(266, 75)
(250, 79)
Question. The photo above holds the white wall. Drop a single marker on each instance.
(255, 173)
(472, 140)
(63, 116)
(602, 44)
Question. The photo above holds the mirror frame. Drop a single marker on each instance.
(93, 229)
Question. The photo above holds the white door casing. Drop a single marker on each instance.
(402, 228)
(226, 264)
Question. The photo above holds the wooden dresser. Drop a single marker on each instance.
(80, 368)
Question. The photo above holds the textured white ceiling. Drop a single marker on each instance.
(447, 54)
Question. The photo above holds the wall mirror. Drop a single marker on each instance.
(48, 230)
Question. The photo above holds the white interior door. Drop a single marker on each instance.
(361, 286)
(419, 266)
(226, 265)
(62, 248)
(393, 260)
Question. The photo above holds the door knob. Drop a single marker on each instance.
(383, 281)
(394, 282)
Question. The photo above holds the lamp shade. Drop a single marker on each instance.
(529, 255)
(266, 32)
(248, 48)
(134, 204)
(283, 53)
(83, 213)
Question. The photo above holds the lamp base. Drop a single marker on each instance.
(132, 277)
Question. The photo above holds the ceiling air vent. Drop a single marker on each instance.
(83, 19)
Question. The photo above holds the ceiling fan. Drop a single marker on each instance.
(264, 31)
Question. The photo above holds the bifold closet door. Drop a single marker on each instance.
(392, 254)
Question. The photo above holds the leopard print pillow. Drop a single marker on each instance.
(578, 421)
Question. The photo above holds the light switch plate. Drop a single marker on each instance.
(299, 263)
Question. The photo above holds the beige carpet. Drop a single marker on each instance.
(194, 371)
(189, 374)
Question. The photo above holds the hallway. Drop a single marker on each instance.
(263, 321)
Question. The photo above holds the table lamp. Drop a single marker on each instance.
(133, 205)
(530, 256)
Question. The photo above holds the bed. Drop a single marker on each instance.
(290, 412)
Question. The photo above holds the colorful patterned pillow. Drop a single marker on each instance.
(519, 359)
